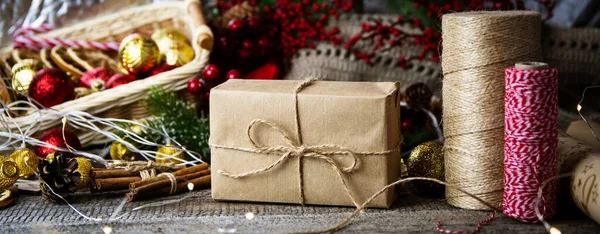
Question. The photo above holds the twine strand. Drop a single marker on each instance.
(478, 46)
(173, 181)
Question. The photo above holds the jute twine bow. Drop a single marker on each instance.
(296, 149)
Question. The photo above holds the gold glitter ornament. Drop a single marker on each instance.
(138, 53)
(84, 168)
(168, 34)
(23, 72)
(427, 160)
(27, 162)
(171, 151)
(9, 173)
(119, 151)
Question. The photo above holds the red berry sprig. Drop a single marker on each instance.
(435, 10)
(384, 37)
(302, 22)
(387, 36)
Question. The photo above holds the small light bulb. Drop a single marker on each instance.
(190, 186)
(249, 216)
(554, 230)
(107, 229)
(578, 107)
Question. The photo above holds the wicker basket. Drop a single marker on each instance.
(123, 102)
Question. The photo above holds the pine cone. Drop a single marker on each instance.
(240, 11)
(59, 175)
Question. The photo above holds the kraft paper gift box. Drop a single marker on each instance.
(348, 147)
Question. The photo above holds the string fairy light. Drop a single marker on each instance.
(190, 187)
(579, 107)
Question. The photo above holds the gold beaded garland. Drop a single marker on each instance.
(84, 168)
(27, 162)
(9, 173)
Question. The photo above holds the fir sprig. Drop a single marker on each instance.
(179, 119)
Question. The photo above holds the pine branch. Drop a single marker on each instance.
(178, 119)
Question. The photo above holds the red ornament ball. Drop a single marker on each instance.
(50, 87)
(96, 78)
(233, 74)
(194, 86)
(54, 136)
(206, 95)
(406, 124)
(161, 69)
(268, 71)
(235, 25)
(211, 72)
(119, 79)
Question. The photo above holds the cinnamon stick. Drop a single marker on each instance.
(166, 182)
(113, 173)
(199, 183)
(114, 184)
(184, 171)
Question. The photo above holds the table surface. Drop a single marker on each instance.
(198, 213)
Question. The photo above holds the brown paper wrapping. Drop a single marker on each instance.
(584, 185)
(361, 116)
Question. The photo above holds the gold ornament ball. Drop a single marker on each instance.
(138, 53)
(84, 168)
(27, 162)
(119, 151)
(9, 173)
(171, 151)
(168, 34)
(427, 160)
(177, 53)
(23, 72)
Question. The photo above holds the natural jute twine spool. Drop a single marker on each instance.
(477, 47)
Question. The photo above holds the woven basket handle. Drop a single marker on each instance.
(194, 8)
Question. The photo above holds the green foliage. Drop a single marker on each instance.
(407, 9)
(179, 119)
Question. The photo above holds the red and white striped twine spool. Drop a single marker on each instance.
(25, 38)
(530, 134)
